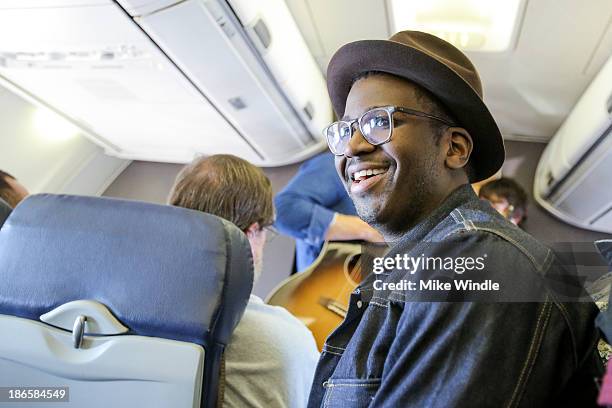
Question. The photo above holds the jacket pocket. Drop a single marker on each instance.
(342, 393)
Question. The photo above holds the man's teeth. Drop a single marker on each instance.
(360, 175)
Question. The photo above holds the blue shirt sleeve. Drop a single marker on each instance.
(305, 207)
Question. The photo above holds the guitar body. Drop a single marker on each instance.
(319, 296)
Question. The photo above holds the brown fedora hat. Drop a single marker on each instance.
(435, 65)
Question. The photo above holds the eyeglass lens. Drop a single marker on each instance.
(375, 126)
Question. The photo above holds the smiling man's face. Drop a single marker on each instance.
(411, 164)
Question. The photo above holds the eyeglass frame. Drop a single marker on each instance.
(390, 109)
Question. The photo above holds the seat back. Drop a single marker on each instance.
(125, 303)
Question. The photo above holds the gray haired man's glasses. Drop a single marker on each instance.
(376, 126)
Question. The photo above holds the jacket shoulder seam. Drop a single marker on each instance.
(540, 267)
(534, 348)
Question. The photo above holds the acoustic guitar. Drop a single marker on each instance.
(319, 295)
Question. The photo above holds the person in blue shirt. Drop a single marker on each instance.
(314, 207)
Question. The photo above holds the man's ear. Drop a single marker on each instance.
(252, 230)
(460, 147)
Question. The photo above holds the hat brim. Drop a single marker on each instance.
(448, 87)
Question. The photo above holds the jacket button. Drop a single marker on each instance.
(359, 304)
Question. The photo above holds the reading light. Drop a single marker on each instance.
(51, 126)
(472, 25)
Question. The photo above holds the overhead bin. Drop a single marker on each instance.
(574, 174)
(166, 80)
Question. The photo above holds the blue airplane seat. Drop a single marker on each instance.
(5, 211)
(120, 303)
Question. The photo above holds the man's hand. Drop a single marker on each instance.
(351, 227)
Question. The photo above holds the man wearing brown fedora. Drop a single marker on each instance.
(464, 309)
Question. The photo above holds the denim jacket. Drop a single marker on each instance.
(523, 347)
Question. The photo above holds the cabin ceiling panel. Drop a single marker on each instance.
(530, 89)
(338, 22)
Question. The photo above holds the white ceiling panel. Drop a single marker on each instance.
(530, 89)
(339, 22)
(129, 103)
(602, 52)
(21, 4)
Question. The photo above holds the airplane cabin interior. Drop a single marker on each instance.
(235, 203)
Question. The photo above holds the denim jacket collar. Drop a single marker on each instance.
(456, 198)
(461, 195)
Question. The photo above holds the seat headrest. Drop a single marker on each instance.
(5, 211)
(162, 271)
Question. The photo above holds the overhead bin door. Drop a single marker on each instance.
(206, 41)
(98, 68)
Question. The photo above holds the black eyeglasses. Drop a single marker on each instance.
(376, 126)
